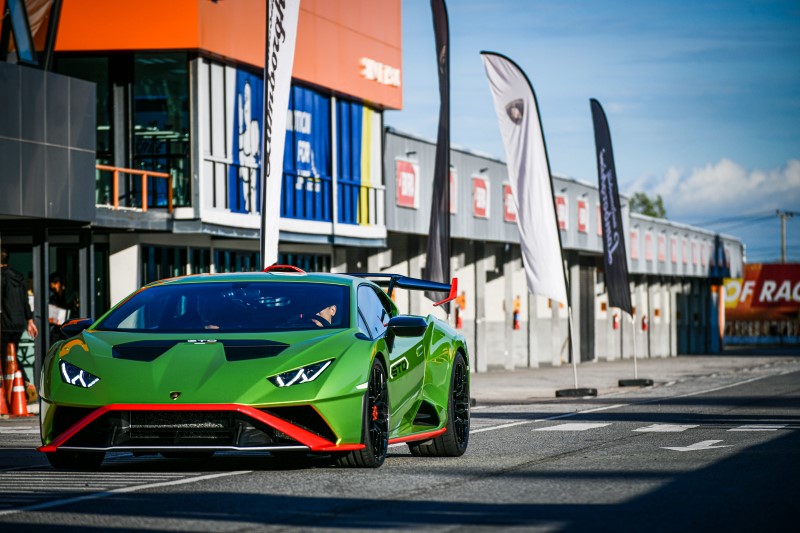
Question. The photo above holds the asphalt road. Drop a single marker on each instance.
(718, 452)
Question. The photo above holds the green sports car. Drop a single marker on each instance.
(279, 361)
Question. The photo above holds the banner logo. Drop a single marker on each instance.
(516, 110)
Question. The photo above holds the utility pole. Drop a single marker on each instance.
(784, 215)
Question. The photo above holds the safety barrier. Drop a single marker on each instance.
(145, 174)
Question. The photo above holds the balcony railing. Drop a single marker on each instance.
(130, 194)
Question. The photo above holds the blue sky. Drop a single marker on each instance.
(702, 97)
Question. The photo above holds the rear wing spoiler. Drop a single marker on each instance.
(392, 281)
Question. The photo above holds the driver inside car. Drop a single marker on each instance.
(324, 316)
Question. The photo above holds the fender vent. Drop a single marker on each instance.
(426, 415)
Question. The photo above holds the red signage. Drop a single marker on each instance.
(685, 251)
(765, 292)
(648, 246)
(407, 174)
(694, 252)
(480, 197)
(662, 247)
(673, 249)
(703, 253)
(509, 208)
(634, 244)
(583, 216)
(562, 212)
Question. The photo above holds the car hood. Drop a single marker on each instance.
(224, 368)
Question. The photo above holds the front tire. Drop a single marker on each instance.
(454, 441)
(68, 460)
(375, 423)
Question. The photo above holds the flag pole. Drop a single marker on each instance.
(635, 382)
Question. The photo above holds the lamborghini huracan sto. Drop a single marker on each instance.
(280, 361)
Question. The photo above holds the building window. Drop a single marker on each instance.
(236, 261)
(161, 262)
(307, 262)
(160, 118)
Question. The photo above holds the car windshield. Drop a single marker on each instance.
(232, 307)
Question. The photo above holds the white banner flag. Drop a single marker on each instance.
(529, 173)
(281, 37)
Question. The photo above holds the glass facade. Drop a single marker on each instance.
(150, 129)
(160, 119)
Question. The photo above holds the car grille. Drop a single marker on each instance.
(159, 429)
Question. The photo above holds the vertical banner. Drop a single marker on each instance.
(529, 175)
(437, 260)
(281, 36)
(614, 255)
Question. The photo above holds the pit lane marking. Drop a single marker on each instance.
(666, 428)
(575, 426)
(642, 402)
(759, 427)
(121, 490)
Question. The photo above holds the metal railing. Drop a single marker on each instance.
(145, 174)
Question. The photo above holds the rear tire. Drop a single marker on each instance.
(68, 460)
(375, 423)
(454, 441)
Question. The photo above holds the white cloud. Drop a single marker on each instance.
(724, 188)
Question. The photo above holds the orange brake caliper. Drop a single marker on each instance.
(374, 412)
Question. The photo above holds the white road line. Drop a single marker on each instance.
(643, 402)
(759, 427)
(122, 490)
(666, 428)
(574, 426)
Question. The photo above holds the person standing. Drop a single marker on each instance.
(16, 311)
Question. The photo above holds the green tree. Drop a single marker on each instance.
(652, 207)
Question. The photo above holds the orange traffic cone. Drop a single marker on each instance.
(3, 403)
(19, 403)
(11, 368)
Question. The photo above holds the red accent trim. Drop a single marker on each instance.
(418, 436)
(313, 441)
(453, 293)
(284, 268)
(340, 448)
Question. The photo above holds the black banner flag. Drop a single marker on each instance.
(437, 261)
(615, 258)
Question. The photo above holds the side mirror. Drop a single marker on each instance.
(408, 326)
(76, 326)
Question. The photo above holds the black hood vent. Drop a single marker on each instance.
(236, 350)
(142, 350)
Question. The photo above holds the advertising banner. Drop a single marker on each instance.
(480, 197)
(306, 186)
(764, 292)
(529, 174)
(282, 16)
(407, 177)
(437, 258)
(244, 187)
(583, 216)
(509, 207)
(562, 212)
(615, 259)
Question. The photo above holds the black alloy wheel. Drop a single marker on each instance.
(453, 442)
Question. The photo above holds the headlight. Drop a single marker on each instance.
(300, 375)
(75, 376)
